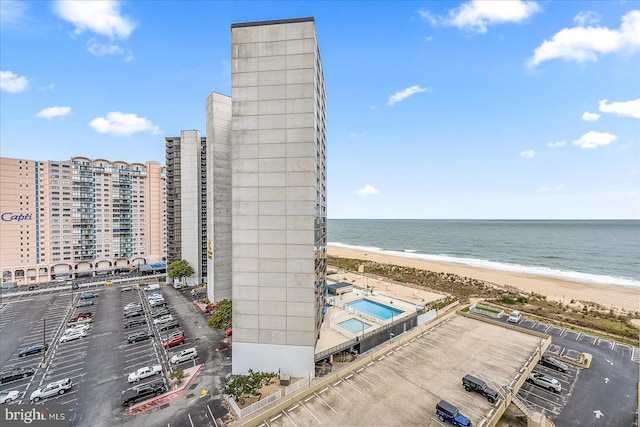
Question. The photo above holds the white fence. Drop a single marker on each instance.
(296, 386)
(255, 406)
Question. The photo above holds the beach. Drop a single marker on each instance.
(610, 296)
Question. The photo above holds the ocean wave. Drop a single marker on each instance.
(502, 266)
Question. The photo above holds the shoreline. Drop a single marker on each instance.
(563, 290)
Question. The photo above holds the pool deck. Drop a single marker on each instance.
(387, 293)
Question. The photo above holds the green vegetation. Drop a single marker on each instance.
(221, 318)
(177, 376)
(179, 269)
(241, 387)
(487, 309)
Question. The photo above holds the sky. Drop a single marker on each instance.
(471, 110)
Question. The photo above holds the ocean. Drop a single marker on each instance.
(603, 251)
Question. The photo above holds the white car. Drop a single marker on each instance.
(7, 396)
(73, 335)
(184, 355)
(84, 327)
(51, 389)
(514, 317)
(163, 319)
(132, 305)
(143, 373)
(545, 381)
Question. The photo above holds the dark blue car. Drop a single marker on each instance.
(449, 413)
(89, 295)
(34, 349)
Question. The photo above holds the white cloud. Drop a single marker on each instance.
(557, 144)
(542, 190)
(528, 153)
(102, 17)
(588, 17)
(625, 108)
(477, 15)
(403, 94)
(624, 147)
(99, 49)
(123, 124)
(582, 44)
(367, 190)
(51, 112)
(12, 11)
(590, 117)
(593, 139)
(10, 82)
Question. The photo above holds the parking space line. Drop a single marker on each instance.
(328, 406)
(286, 415)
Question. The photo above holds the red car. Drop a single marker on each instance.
(80, 316)
(173, 341)
(228, 332)
(210, 308)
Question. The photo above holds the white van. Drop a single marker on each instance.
(177, 285)
(184, 355)
(153, 287)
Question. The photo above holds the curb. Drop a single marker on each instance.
(166, 397)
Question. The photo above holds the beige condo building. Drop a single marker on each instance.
(79, 217)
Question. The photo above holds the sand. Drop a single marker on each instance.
(615, 297)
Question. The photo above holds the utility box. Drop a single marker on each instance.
(285, 379)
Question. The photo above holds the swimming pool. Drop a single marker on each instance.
(375, 309)
(354, 325)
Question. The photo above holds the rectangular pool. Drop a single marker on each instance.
(375, 309)
(354, 325)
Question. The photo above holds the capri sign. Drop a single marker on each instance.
(10, 216)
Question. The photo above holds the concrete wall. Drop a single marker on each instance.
(275, 163)
(218, 197)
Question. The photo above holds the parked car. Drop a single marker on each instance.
(163, 319)
(169, 325)
(34, 287)
(174, 334)
(73, 335)
(157, 303)
(228, 332)
(83, 327)
(34, 349)
(132, 313)
(89, 295)
(134, 322)
(545, 381)
(159, 313)
(173, 341)
(80, 316)
(550, 362)
(447, 412)
(51, 389)
(153, 287)
(184, 355)
(8, 396)
(514, 317)
(127, 289)
(472, 383)
(132, 306)
(15, 374)
(129, 397)
(143, 373)
(138, 336)
(84, 304)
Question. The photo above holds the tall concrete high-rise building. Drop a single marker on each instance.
(218, 109)
(79, 217)
(186, 172)
(278, 209)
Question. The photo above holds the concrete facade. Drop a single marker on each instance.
(186, 202)
(218, 197)
(79, 217)
(278, 195)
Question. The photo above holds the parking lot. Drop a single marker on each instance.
(99, 360)
(402, 386)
